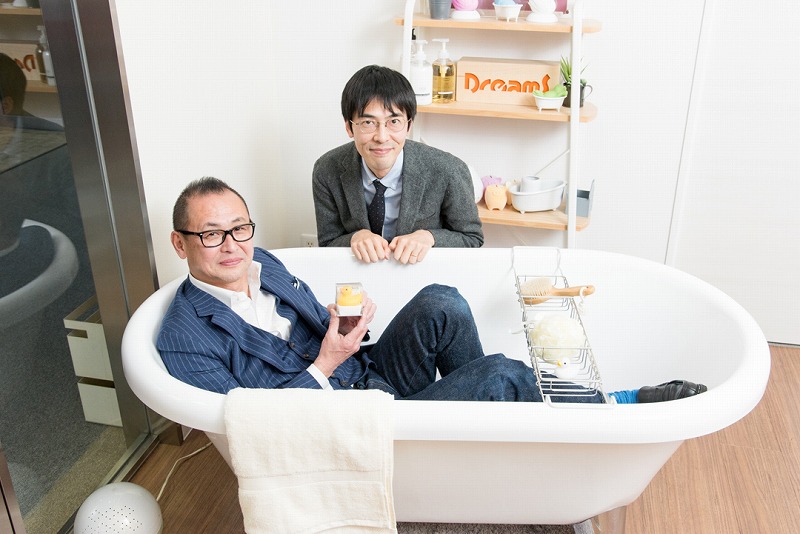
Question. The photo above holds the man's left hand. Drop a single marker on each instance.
(412, 248)
(346, 324)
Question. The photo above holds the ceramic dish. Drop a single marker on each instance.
(542, 195)
(545, 102)
(507, 12)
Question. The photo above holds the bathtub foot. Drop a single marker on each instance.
(611, 522)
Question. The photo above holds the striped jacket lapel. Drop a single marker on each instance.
(250, 339)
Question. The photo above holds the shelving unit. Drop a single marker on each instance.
(10, 13)
(39, 87)
(21, 11)
(488, 22)
(574, 26)
(547, 220)
(475, 109)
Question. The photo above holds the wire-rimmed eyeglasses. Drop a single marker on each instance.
(368, 126)
(215, 238)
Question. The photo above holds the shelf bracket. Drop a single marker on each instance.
(408, 22)
(574, 123)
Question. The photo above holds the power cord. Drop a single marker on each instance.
(175, 465)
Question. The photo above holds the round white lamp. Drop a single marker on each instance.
(465, 10)
(542, 11)
(119, 508)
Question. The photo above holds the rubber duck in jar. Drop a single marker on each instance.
(348, 297)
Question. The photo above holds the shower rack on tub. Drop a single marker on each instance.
(576, 374)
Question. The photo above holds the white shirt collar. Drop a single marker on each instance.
(392, 178)
(228, 296)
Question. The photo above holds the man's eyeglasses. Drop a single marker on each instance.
(215, 238)
(368, 126)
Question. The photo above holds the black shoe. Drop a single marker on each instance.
(677, 389)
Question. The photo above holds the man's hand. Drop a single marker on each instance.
(347, 324)
(412, 248)
(369, 247)
(337, 347)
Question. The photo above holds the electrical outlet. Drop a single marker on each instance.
(308, 240)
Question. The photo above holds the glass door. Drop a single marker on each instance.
(74, 260)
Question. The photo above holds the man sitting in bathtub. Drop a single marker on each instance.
(385, 196)
(236, 322)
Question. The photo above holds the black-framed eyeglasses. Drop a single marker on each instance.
(368, 126)
(215, 238)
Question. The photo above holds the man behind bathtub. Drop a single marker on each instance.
(386, 196)
(236, 322)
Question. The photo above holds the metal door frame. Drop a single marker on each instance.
(102, 145)
(10, 516)
(95, 107)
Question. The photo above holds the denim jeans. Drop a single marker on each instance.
(436, 330)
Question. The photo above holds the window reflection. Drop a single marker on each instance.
(56, 457)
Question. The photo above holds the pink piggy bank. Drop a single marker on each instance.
(495, 196)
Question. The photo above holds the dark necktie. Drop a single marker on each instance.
(377, 209)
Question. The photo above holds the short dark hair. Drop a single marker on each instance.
(383, 84)
(12, 83)
(207, 185)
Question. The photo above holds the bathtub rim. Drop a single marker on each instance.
(442, 420)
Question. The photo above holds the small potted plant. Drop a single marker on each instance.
(566, 76)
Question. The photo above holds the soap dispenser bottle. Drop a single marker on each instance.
(444, 76)
(44, 61)
(421, 76)
(41, 45)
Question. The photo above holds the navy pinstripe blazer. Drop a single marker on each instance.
(205, 343)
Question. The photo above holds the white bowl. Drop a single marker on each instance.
(542, 195)
(549, 102)
(508, 12)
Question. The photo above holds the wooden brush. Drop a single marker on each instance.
(539, 290)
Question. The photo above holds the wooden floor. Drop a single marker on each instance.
(743, 479)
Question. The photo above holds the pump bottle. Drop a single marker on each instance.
(44, 60)
(40, 54)
(444, 76)
(421, 75)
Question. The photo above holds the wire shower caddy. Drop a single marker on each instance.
(581, 375)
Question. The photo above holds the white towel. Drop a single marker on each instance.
(312, 461)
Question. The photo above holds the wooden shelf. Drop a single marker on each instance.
(489, 22)
(506, 111)
(548, 220)
(21, 11)
(35, 86)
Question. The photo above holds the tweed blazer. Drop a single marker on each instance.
(438, 196)
(203, 342)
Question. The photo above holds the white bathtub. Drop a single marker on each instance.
(534, 463)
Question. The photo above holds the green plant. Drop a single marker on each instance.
(566, 71)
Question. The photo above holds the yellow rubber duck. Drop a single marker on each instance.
(347, 297)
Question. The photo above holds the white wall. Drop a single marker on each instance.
(736, 223)
(249, 92)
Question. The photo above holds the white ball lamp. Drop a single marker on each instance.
(465, 10)
(542, 11)
(119, 508)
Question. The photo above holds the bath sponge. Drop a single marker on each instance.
(558, 337)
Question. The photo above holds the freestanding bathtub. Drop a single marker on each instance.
(533, 463)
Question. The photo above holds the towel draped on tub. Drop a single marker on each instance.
(312, 461)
